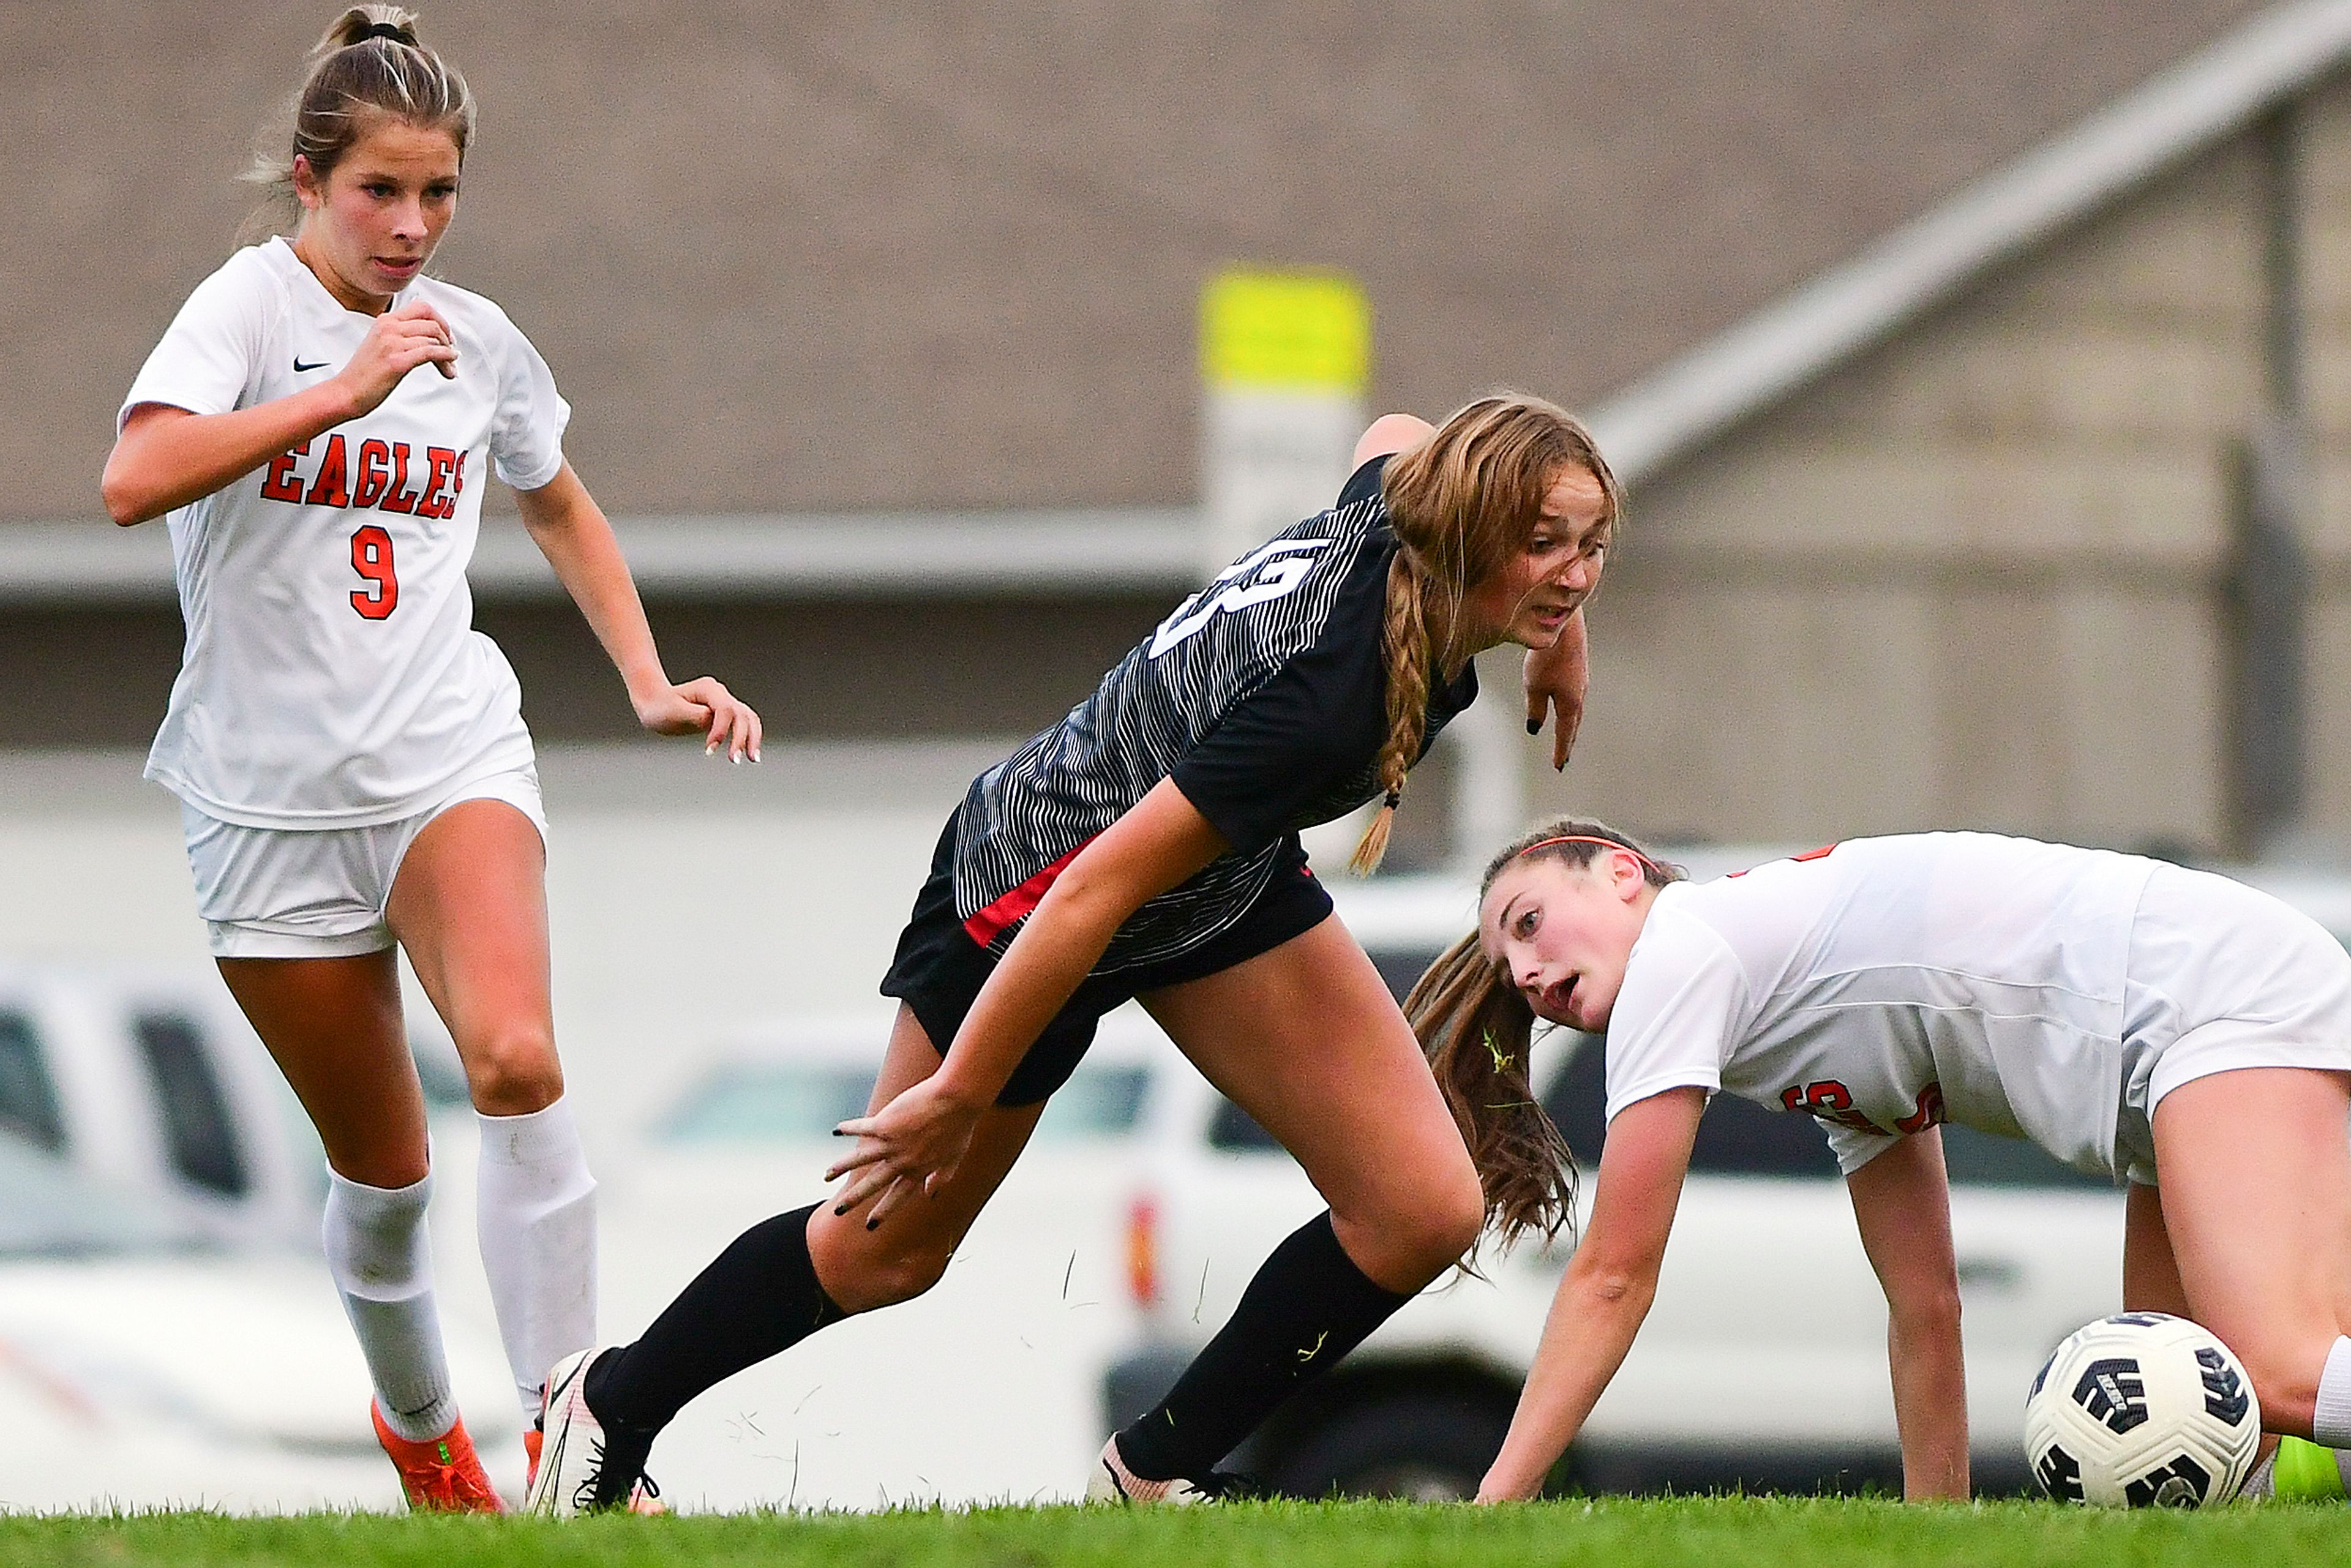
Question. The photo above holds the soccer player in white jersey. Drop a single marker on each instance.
(1146, 846)
(2169, 1027)
(320, 423)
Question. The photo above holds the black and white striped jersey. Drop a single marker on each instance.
(1263, 695)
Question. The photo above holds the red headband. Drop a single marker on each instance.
(1591, 839)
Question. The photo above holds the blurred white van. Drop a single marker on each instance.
(155, 1083)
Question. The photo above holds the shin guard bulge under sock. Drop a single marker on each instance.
(757, 1297)
(377, 1253)
(1307, 1307)
(535, 1215)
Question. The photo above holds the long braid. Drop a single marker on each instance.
(1405, 654)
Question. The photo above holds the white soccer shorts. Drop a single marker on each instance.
(301, 892)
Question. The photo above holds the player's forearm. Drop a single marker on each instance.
(572, 532)
(1063, 939)
(1930, 1402)
(166, 459)
(1594, 1318)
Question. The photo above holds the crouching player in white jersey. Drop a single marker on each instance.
(350, 754)
(2166, 1026)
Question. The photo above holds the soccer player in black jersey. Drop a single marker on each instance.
(1146, 846)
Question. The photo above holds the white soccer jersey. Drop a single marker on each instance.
(1886, 985)
(332, 677)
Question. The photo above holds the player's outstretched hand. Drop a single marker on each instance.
(397, 342)
(704, 708)
(913, 1143)
(1556, 678)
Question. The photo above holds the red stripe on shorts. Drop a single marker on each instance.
(987, 925)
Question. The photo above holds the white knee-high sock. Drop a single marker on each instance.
(537, 1220)
(377, 1253)
(2330, 1419)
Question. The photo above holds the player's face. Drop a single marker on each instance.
(1563, 933)
(1529, 600)
(370, 225)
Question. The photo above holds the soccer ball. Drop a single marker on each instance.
(2144, 1409)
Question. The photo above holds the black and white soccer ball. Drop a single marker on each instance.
(2141, 1410)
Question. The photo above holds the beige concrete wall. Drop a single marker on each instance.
(819, 255)
(1974, 579)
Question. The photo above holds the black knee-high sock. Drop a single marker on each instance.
(1308, 1306)
(759, 1297)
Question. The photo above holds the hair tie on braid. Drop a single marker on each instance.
(1396, 799)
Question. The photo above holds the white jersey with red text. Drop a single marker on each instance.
(332, 677)
(2020, 988)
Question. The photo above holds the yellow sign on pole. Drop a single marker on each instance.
(1304, 330)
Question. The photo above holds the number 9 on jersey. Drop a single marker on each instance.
(371, 558)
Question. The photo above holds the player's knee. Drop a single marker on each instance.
(2286, 1380)
(886, 1277)
(1456, 1216)
(1427, 1229)
(513, 1071)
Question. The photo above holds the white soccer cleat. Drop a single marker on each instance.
(569, 1478)
(1113, 1482)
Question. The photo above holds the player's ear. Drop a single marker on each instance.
(306, 183)
(1626, 872)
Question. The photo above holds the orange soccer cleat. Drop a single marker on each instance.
(440, 1475)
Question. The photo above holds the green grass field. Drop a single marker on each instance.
(1709, 1533)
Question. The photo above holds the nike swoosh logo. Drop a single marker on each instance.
(299, 368)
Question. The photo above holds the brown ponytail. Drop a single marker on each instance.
(370, 64)
(1460, 503)
(1476, 1028)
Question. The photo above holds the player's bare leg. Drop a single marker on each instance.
(1306, 1038)
(2151, 1284)
(2260, 1225)
(777, 1283)
(2150, 1273)
(469, 906)
(863, 1269)
(334, 1026)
